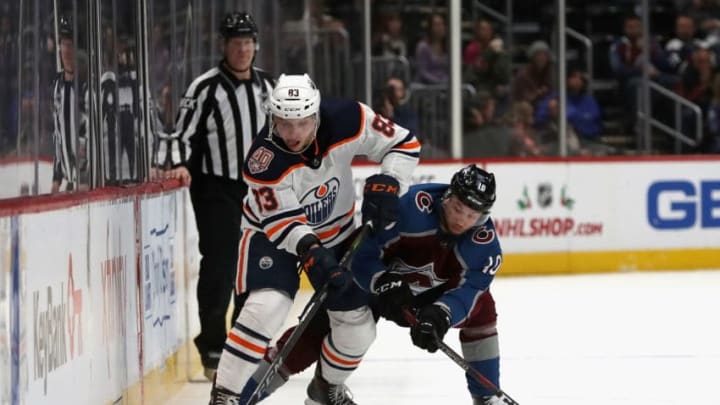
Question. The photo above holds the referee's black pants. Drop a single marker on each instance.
(217, 203)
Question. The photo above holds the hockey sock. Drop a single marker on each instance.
(490, 369)
(261, 317)
(351, 333)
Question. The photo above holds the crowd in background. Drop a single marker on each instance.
(510, 96)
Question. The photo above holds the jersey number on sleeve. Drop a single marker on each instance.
(383, 125)
(492, 266)
(265, 198)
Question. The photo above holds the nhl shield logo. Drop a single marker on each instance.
(260, 160)
(544, 195)
(265, 262)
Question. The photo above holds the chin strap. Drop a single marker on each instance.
(315, 160)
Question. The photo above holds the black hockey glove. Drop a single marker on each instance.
(381, 204)
(322, 267)
(433, 322)
(393, 294)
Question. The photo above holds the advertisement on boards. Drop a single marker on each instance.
(594, 206)
(56, 304)
(683, 204)
(537, 208)
(542, 208)
(160, 279)
(192, 266)
(114, 352)
(5, 308)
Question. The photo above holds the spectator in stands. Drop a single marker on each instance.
(626, 62)
(534, 80)
(431, 54)
(523, 139)
(711, 140)
(678, 49)
(697, 76)
(583, 110)
(391, 41)
(8, 84)
(706, 15)
(583, 116)
(393, 105)
(696, 85)
(161, 61)
(484, 135)
(486, 64)
(294, 45)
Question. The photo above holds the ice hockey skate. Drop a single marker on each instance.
(222, 396)
(320, 392)
(493, 400)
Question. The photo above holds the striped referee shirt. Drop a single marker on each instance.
(70, 125)
(219, 117)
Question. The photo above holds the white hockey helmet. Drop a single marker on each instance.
(294, 96)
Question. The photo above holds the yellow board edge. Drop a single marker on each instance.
(544, 263)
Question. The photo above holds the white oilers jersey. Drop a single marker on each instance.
(292, 195)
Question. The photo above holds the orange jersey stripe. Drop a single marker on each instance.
(339, 360)
(409, 145)
(334, 231)
(242, 342)
(280, 177)
(329, 233)
(241, 259)
(275, 229)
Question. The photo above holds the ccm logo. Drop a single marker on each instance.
(381, 188)
(679, 204)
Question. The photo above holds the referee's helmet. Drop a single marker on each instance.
(238, 24)
(65, 28)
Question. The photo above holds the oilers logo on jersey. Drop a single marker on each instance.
(319, 202)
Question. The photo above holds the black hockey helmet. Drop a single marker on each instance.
(474, 187)
(238, 24)
(65, 28)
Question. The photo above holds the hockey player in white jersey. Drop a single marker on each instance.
(300, 209)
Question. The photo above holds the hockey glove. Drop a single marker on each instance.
(381, 204)
(322, 267)
(433, 322)
(393, 294)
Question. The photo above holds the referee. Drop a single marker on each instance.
(219, 116)
(68, 135)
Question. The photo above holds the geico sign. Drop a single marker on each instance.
(678, 204)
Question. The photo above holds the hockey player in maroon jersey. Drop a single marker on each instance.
(438, 261)
(300, 209)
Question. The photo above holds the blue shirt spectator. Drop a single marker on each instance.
(583, 111)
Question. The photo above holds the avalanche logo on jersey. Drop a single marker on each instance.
(320, 201)
(419, 278)
(424, 201)
(483, 236)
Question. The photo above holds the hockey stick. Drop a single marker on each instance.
(460, 361)
(311, 308)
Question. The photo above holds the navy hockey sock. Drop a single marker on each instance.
(491, 370)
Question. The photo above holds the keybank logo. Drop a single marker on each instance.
(682, 204)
